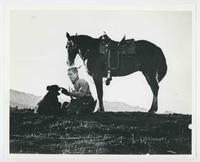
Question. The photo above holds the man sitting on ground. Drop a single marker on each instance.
(83, 102)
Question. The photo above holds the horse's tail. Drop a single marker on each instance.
(162, 69)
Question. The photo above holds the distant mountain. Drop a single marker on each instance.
(23, 100)
(168, 112)
(120, 106)
(26, 100)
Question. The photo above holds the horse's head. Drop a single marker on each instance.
(71, 49)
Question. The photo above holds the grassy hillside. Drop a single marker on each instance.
(101, 133)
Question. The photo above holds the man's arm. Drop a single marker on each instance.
(82, 91)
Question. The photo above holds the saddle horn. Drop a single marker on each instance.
(123, 39)
(105, 36)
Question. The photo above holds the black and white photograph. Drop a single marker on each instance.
(101, 81)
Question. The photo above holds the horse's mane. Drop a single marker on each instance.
(84, 38)
(87, 38)
(86, 41)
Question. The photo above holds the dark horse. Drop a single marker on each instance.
(148, 58)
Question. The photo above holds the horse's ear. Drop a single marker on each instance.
(68, 36)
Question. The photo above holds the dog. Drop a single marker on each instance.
(49, 105)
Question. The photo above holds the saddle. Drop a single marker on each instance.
(127, 47)
(124, 49)
(115, 53)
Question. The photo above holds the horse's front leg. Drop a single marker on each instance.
(99, 87)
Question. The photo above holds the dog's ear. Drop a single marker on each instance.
(48, 88)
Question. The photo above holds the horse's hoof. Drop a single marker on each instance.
(108, 82)
(101, 110)
(98, 111)
(152, 110)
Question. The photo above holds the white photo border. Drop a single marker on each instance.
(195, 112)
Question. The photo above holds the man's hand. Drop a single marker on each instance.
(65, 91)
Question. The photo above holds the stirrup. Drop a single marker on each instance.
(108, 81)
(109, 78)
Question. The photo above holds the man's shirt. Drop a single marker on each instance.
(81, 89)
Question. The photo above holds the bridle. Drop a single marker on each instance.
(72, 51)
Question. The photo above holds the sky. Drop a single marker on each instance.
(38, 55)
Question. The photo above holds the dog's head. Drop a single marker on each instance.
(53, 89)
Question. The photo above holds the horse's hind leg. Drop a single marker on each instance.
(151, 79)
